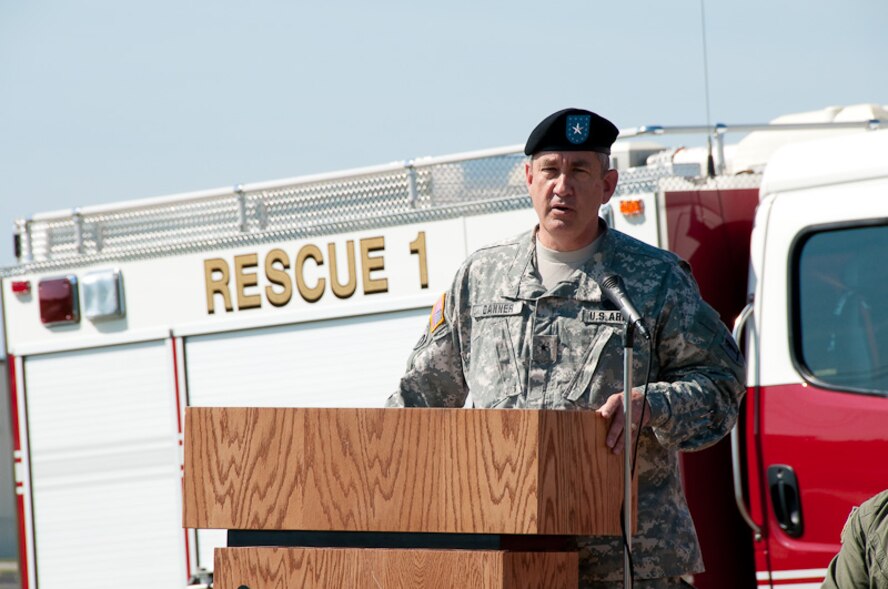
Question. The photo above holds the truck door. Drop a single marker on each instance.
(819, 411)
(105, 475)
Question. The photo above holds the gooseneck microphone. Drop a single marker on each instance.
(613, 289)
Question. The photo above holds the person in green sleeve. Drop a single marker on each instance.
(862, 562)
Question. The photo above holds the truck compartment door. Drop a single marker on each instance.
(105, 468)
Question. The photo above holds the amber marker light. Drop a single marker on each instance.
(632, 207)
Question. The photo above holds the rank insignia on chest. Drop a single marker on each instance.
(498, 309)
(436, 318)
(545, 349)
(603, 316)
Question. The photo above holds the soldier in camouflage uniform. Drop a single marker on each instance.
(525, 325)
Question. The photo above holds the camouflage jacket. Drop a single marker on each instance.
(500, 337)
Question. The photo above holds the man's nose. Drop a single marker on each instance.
(563, 185)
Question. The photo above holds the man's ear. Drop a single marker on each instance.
(610, 184)
(528, 172)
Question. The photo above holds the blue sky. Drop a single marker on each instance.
(103, 100)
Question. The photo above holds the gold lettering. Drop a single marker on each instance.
(278, 276)
(216, 286)
(314, 293)
(418, 246)
(243, 279)
(369, 264)
(343, 291)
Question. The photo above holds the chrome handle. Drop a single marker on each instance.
(739, 326)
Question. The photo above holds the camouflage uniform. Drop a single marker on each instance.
(863, 560)
(509, 343)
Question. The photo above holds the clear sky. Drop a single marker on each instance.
(103, 100)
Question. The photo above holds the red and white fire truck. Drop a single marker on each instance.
(312, 291)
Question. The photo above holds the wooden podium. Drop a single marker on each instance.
(429, 498)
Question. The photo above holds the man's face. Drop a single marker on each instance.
(567, 188)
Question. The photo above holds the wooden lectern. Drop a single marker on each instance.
(399, 497)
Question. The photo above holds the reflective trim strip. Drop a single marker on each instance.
(16, 369)
(798, 574)
(773, 579)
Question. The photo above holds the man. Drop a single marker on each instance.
(862, 561)
(522, 326)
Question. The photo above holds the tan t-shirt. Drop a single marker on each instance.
(555, 266)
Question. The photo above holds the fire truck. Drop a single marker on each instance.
(312, 291)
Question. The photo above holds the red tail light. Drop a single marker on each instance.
(58, 300)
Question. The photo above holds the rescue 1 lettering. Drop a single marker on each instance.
(280, 278)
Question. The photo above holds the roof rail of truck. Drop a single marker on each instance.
(419, 190)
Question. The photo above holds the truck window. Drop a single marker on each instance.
(840, 307)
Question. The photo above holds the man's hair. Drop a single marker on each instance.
(603, 160)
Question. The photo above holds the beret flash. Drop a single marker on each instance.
(572, 129)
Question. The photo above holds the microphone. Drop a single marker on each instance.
(613, 289)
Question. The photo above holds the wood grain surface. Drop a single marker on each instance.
(411, 470)
(326, 568)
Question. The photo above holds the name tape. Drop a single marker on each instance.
(497, 309)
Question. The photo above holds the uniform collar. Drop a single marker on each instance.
(523, 281)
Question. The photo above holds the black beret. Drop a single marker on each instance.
(572, 129)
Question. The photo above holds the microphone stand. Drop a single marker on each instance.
(628, 342)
